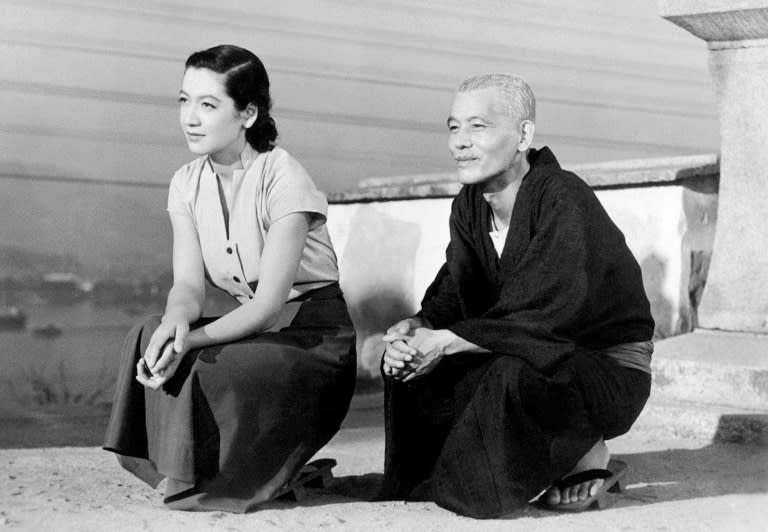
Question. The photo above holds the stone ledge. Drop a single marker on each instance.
(709, 346)
(713, 368)
(719, 20)
(606, 175)
(665, 420)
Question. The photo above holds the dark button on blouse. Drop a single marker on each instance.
(229, 250)
(236, 278)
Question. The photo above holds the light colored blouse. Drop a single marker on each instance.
(269, 186)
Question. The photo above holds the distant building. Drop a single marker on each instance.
(132, 292)
(61, 287)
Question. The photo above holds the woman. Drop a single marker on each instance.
(229, 409)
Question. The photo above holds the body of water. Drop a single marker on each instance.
(76, 367)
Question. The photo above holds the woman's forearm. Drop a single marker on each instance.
(237, 324)
(279, 262)
(184, 302)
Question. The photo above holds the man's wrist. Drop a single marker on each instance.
(414, 322)
(421, 321)
(448, 341)
(456, 344)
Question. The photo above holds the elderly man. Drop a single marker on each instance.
(533, 343)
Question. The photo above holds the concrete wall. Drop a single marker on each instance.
(389, 251)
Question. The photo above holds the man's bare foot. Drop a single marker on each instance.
(596, 458)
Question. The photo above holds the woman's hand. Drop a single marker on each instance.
(172, 327)
(166, 348)
(168, 362)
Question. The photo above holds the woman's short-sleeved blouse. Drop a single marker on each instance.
(271, 185)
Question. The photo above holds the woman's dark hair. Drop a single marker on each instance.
(246, 82)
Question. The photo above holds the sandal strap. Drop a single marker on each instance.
(581, 477)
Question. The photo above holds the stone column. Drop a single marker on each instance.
(736, 33)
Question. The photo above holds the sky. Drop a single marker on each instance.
(89, 135)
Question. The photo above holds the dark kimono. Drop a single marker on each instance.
(483, 434)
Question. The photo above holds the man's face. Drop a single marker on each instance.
(483, 137)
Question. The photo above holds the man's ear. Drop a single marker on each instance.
(527, 129)
(250, 113)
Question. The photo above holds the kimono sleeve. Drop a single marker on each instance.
(440, 305)
(544, 292)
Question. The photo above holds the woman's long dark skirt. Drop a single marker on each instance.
(482, 435)
(237, 421)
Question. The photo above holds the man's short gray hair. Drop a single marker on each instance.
(518, 96)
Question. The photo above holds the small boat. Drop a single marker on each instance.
(49, 331)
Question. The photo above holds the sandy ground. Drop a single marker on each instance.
(673, 485)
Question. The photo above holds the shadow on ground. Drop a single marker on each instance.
(663, 476)
(674, 474)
